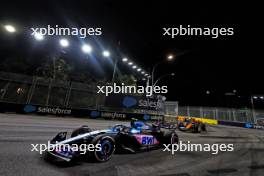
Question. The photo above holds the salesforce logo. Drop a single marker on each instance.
(146, 117)
(147, 103)
(129, 101)
(30, 108)
(95, 114)
(248, 125)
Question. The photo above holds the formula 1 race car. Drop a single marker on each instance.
(189, 124)
(139, 136)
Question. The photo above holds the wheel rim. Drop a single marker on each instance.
(174, 139)
(107, 149)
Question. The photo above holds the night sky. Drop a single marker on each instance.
(219, 65)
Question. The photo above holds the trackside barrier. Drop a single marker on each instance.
(241, 124)
(60, 111)
(110, 115)
(230, 123)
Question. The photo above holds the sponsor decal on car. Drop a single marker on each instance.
(146, 139)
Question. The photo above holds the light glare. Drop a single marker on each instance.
(124, 59)
(86, 48)
(106, 53)
(38, 36)
(10, 28)
(170, 57)
(64, 43)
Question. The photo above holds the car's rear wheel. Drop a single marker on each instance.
(107, 144)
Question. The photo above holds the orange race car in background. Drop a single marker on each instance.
(190, 124)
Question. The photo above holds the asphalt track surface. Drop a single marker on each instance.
(18, 132)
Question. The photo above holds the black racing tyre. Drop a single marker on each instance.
(195, 128)
(199, 128)
(107, 148)
(83, 129)
(169, 137)
(203, 127)
(174, 138)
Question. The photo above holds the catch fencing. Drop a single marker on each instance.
(22, 89)
(17, 88)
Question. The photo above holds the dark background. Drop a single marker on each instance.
(218, 65)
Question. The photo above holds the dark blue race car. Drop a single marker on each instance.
(139, 136)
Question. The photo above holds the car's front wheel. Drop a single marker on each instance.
(107, 148)
(174, 138)
(170, 137)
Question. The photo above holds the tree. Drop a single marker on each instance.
(128, 80)
(15, 64)
(58, 69)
